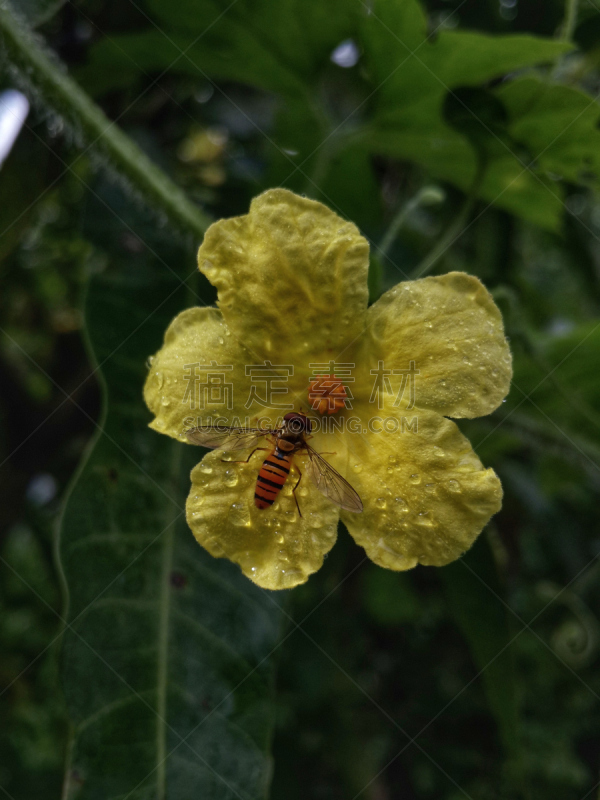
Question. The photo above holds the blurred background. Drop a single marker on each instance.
(478, 680)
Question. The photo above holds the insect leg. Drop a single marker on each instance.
(294, 490)
(245, 460)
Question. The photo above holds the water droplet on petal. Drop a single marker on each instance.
(357, 468)
(205, 468)
(415, 478)
(165, 402)
(239, 515)
(424, 518)
(231, 478)
(454, 486)
(160, 379)
(380, 502)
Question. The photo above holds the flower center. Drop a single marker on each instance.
(327, 394)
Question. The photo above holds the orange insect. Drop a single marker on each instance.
(289, 439)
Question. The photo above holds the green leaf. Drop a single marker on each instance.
(476, 602)
(293, 35)
(278, 47)
(414, 72)
(166, 664)
(561, 376)
(119, 61)
(557, 124)
(407, 75)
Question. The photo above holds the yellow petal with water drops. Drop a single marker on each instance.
(275, 547)
(426, 494)
(198, 374)
(292, 280)
(452, 330)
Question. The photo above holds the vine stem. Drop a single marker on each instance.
(429, 195)
(455, 229)
(570, 20)
(48, 81)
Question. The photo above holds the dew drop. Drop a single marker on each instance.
(206, 469)
(314, 520)
(430, 487)
(279, 539)
(165, 402)
(239, 515)
(454, 486)
(149, 361)
(415, 478)
(231, 478)
(221, 340)
(380, 502)
(160, 379)
(357, 468)
(423, 518)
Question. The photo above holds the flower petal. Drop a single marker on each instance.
(174, 391)
(292, 279)
(426, 495)
(275, 547)
(452, 329)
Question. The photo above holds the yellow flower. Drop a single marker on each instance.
(292, 285)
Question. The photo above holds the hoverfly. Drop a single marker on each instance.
(289, 438)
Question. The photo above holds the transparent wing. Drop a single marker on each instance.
(226, 437)
(331, 484)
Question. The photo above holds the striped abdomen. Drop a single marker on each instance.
(273, 474)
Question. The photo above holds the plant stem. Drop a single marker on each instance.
(48, 82)
(395, 225)
(570, 20)
(455, 229)
(428, 195)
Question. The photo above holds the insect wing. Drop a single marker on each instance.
(331, 484)
(225, 437)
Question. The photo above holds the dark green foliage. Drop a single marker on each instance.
(478, 680)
